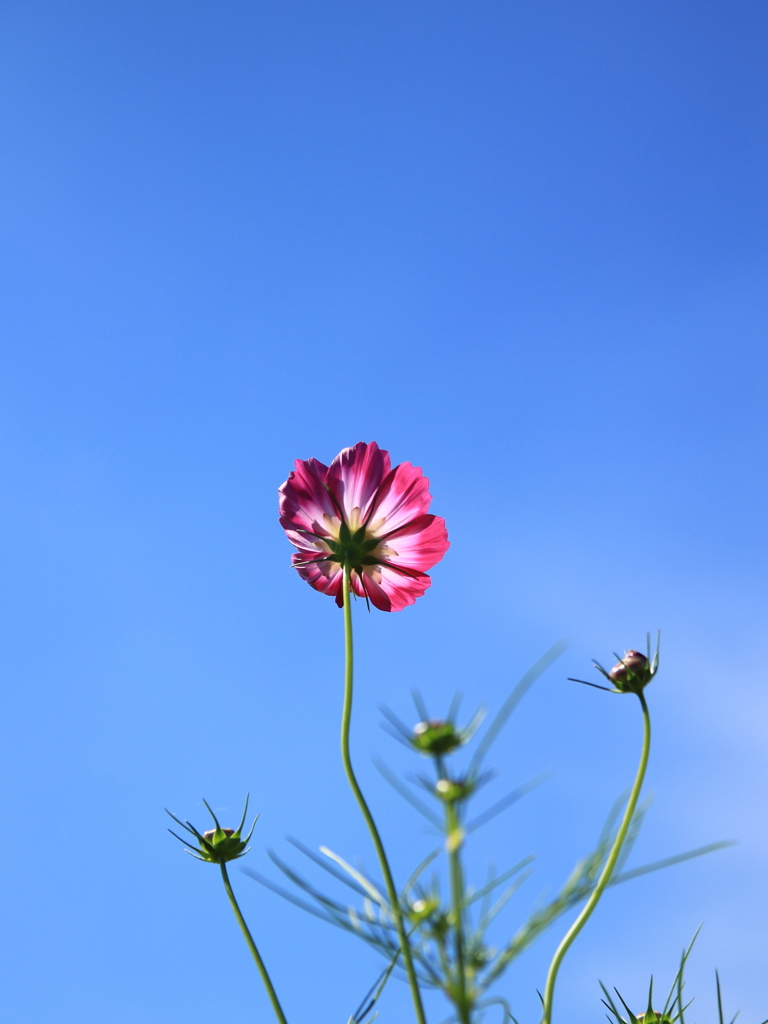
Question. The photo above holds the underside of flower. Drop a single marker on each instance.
(360, 515)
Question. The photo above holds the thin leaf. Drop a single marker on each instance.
(596, 686)
(194, 849)
(323, 863)
(414, 876)
(632, 1018)
(374, 992)
(407, 795)
(369, 887)
(473, 725)
(401, 727)
(676, 990)
(650, 997)
(498, 881)
(617, 807)
(289, 896)
(498, 1001)
(669, 862)
(216, 820)
(610, 1004)
(453, 710)
(513, 700)
(499, 904)
(505, 802)
(302, 883)
(421, 707)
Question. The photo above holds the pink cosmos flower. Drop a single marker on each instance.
(362, 513)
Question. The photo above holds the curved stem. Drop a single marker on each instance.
(254, 951)
(346, 721)
(605, 874)
(457, 896)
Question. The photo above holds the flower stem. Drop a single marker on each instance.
(605, 875)
(453, 842)
(254, 951)
(346, 721)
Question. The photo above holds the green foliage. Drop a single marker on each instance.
(673, 1011)
(448, 926)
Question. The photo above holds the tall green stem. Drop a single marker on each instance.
(254, 951)
(349, 771)
(453, 840)
(605, 875)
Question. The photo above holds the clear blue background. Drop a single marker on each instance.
(522, 245)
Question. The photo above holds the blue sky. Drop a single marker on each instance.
(520, 245)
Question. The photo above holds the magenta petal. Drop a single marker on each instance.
(419, 544)
(355, 475)
(302, 539)
(397, 589)
(392, 505)
(376, 594)
(324, 576)
(304, 498)
(356, 585)
(403, 496)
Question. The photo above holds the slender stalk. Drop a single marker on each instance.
(457, 894)
(254, 951)
(605, 874)
(346, 721)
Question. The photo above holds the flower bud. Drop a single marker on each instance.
(421, 909)
(635, 661)
(217, 845)
(618, 674)
(435, 737)
(438, 924)
(453, 790)
(210, 835)
(632, 673)
(479, 955)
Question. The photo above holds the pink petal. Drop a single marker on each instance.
(304, 499)
(403, 495)
(326, 577)
(393, 503)
(355, 586)
(302, 539)
(396, 589)
(376, 594)
(419, 544)
(356, 474)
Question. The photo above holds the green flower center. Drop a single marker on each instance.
(353, 550)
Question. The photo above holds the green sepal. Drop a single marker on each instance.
(218, 845)
(436, 737)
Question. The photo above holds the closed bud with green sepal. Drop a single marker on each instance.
(631, 673)
(218, 845)
(436, 737)
(422, 908)
(454, 790)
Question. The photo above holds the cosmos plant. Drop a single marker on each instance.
(363, 531)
